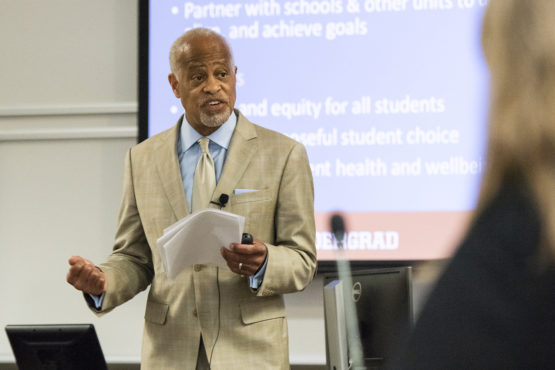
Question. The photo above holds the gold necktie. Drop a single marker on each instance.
(204, 182)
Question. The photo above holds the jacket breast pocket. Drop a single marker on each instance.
(250, 196)
(258, 209)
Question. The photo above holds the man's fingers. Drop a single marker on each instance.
(78, 261)
(241, 268)
(229, 256)
(94, 285)
(101, 287)
(233, 259)
(85, 276)
(74, 260)
(242, 264)
(74, 273)
(247, 248)
(246, 269)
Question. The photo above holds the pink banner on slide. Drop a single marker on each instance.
(393, 235)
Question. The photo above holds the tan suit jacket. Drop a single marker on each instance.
(241, 329)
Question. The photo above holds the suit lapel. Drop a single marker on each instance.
(241, 149)
(169, 171)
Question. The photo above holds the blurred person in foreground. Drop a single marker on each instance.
(210, 317)
(494, 305)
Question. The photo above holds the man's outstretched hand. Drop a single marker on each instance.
(85, 276)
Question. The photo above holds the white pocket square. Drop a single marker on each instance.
(242, 191)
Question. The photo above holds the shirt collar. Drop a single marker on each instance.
(222, 136)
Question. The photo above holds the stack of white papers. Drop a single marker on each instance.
(197, 239)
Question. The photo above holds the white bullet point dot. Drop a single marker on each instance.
(173, 109)
(175, 10)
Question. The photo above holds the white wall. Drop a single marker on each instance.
(68, 107)
(67, 115)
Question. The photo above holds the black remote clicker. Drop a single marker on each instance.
(246, 239)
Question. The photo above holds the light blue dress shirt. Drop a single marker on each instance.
(188, 151)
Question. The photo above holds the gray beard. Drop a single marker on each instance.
(214, 120)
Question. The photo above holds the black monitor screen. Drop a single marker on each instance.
(383, 303)
(60, 347)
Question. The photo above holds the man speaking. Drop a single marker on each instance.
(210, 317)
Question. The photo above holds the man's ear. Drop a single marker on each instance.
(174, 83)
(235, 71)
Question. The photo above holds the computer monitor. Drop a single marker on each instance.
(59, 346)
(383, 303)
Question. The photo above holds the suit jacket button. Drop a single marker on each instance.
(195, 312)
(198, 268)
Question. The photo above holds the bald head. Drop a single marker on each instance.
(205, 41)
